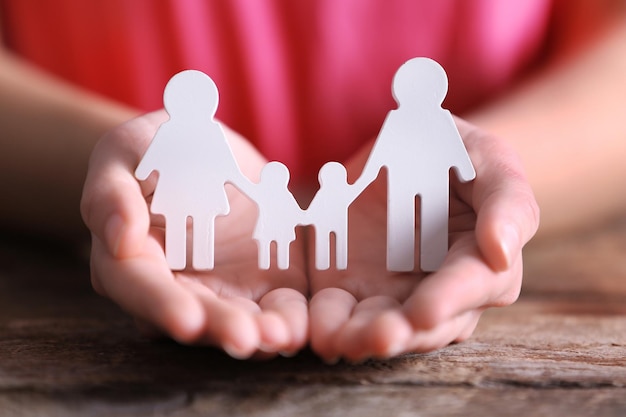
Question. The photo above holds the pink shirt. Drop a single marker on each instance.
(308, 80)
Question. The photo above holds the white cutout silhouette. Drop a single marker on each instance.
(279, 213)
(328, 213)
(194, 162)
(418, 144)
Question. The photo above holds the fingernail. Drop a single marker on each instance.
(233, 352)
(288, 353)
(113, 233)
(509, 243)
(395, 350)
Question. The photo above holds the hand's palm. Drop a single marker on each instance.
(235, 305)
(369, 311)
(244, 299)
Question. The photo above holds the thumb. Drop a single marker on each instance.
(113, 205)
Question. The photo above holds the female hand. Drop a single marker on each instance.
(367, 311)
(236, 306)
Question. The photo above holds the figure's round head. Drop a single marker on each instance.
(420, 79)
(276, 173)
(190, 92)
(332, 172)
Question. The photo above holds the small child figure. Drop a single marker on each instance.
(279, 213)
(328, 213)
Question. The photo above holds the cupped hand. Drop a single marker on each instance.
(235, 306)
(366, 311)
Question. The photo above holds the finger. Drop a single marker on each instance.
(230, 323)
(113, 205)
(372, 330)
(329, 310)
(96, 248)
(272, 330)
(508, 214)
(465, 282)
(390, 333)
(290, 308)
(457, 329)
(145, 287)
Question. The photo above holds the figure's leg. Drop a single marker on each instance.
(400, 232)
(176, 242)
(203, 242)
(341, 246)
(434, 229)
(264, 254)
(282, 254)
(322, 249)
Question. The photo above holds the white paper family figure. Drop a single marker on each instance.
(328, 213)
(194, 163)
(418, 145)
(279, 213)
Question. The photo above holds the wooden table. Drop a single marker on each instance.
(559, 351)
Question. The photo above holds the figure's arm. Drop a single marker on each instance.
(362, 183)
(375, 161)
(461, 163)
(47, 131)
(147, 163)
(243, 170)
(352, 191)
(244, 185)
(567, 121)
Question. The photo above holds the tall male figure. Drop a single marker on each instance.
(418, 144)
